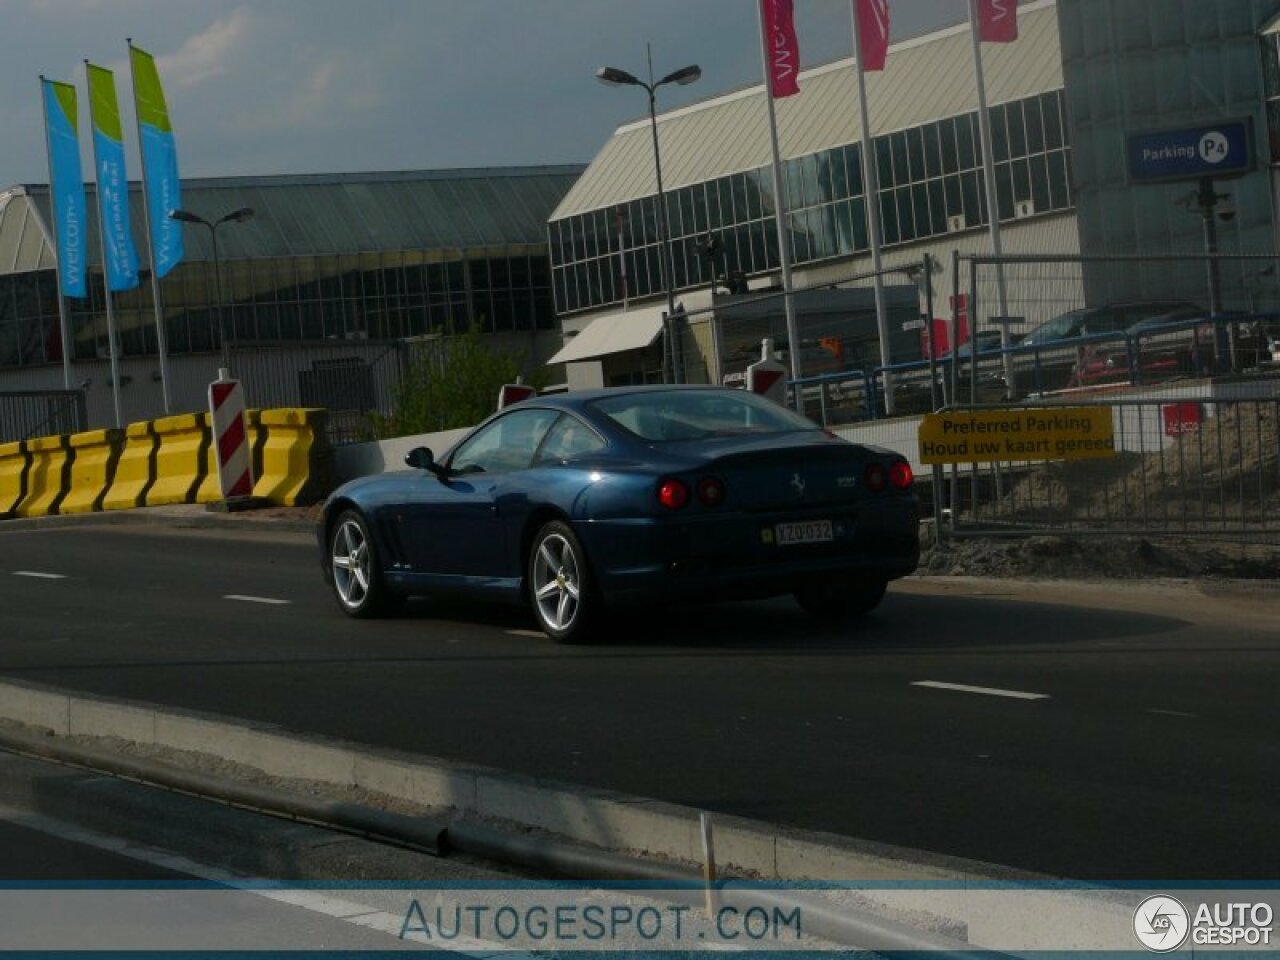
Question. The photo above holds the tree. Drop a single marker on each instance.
(451, 382)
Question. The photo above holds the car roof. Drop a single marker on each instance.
(576, 399)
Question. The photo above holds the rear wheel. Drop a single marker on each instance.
(560, 589)
(353, 564)
(841, 597)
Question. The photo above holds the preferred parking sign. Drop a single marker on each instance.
(1002, 436)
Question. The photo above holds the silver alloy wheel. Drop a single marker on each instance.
(556, 582)
(351, 564)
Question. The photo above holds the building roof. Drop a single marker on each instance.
(926, 78)
(321, 214)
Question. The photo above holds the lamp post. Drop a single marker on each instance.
(235, 216)
(614, 77)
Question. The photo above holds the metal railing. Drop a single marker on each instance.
(1184, 466)
(37, 413)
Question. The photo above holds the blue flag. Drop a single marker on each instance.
(66, 186)
(159, 161)
(119, 254)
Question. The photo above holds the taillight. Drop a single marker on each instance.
(875, 477)
(710, 492)
(900, 475)
(673, 494)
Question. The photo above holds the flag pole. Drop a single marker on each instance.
(106, 279)
(993, 207)
(780, 215)
(162, 347)
(871, 190)
(64, 321)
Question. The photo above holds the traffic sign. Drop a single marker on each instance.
(1189, 153)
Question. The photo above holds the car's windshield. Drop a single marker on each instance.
(1056, 329)
(693, 414)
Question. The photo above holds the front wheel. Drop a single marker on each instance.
(560, 589)
(841, 597)
(353, 559)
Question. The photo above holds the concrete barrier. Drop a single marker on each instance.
(181, 459)
(135, 470)
(93, 467)
(295, 457)
(47, 478)
(14, 462)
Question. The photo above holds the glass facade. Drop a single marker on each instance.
(931, 183)
(1162, 64)
(375, 296)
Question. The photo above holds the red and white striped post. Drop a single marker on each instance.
(230, 438)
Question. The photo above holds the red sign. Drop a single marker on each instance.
(514, 393)
(998, 20)
(781, 48)
(1181, 418)
(873, 30)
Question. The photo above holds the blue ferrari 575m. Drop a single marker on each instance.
(579, 502)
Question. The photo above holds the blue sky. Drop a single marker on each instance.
(309, 86)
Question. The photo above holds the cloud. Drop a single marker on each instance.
(205, 55)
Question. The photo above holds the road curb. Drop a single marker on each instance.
(598, 817)
(161, 518)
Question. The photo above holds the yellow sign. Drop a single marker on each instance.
(999, 436)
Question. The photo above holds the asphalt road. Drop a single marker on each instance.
(1131, 734)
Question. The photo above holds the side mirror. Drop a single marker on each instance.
(421, 458)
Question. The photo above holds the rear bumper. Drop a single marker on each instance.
(736, 556)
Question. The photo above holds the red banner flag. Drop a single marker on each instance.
(873, 27)
(998, 20)
(781, 49)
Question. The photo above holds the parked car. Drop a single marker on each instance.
(582, 501)
(1054, 365)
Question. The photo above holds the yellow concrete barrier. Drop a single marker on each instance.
(92, 469)
(135, 470)
(295, 457)
(47, 477)
(182, 459)
(14, 461)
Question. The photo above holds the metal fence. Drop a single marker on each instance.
(1194, 466)
(38, 413)
(353, 380)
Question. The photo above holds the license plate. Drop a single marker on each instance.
(808, 531)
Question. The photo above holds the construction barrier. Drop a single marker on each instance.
(135, 470)
(182, 459)
(93, 467)
(210, 490)
(295, 457)
(48, 476)
(14, 462)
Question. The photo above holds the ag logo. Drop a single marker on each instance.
(1214, 147)
(1161, 924)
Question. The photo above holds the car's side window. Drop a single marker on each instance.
(506, 444)
(570, 437)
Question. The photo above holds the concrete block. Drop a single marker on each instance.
(429, 784)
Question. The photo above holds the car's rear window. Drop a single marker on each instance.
(667, 415)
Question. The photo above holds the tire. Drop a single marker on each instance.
(561, 594)
(839, 598)
(354, 570)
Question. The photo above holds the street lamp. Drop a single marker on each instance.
(613, 77)
(235, 216)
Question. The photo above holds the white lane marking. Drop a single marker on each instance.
(1170, 713)
(536, 634)
(270, 600)
(38, 575)
(988, 691)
